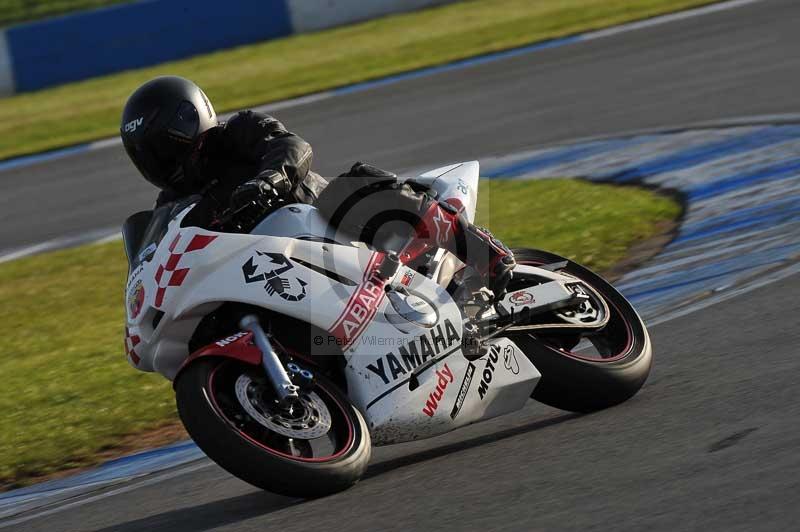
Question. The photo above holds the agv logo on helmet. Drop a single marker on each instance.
(131, 126)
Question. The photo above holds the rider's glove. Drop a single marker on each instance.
(279, 182)
(258, 191)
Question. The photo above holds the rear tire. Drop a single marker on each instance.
(571, 382)
(198, 398)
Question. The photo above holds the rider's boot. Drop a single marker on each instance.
(443, 225)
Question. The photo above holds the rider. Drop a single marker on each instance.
(171, 133)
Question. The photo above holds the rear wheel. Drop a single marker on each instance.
(591, 370)
(319, 446)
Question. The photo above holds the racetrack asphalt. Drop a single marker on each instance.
(710, 443)
(711, 440)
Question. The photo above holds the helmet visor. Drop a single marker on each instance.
(185, 124)
(158, 159)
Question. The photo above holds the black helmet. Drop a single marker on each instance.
(161, 123)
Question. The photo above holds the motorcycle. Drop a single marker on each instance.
(293, 350)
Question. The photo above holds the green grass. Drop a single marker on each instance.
(68, 392)
(303, 64)
(590, 223)
(16, 11)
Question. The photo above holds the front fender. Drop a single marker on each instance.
(239, 347)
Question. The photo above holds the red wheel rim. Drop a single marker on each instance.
(343, 414)
(625, 351)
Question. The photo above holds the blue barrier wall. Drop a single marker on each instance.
(92, 43)
(135, 35)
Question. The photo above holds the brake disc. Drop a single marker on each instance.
(308, 418)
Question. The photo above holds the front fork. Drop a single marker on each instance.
(278, 378)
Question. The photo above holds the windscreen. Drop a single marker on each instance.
(143, 231)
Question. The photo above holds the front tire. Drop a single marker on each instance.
(581, 384)
(269, 455)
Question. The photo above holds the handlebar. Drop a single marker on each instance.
(244, 218)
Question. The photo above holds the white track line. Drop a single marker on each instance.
(157, 478)
(97, 236)
(666, 19)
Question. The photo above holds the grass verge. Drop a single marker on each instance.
(69, 396)
(302, 64)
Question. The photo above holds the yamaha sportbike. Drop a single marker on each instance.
(293, 350)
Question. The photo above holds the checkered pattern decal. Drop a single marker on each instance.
(168, 274)
(131, 341)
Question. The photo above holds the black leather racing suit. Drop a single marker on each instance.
(257, 146)
(250, 144)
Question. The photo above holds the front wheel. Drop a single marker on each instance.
(319, 446)
(592, 370)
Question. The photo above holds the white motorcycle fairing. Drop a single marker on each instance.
(410, 379)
